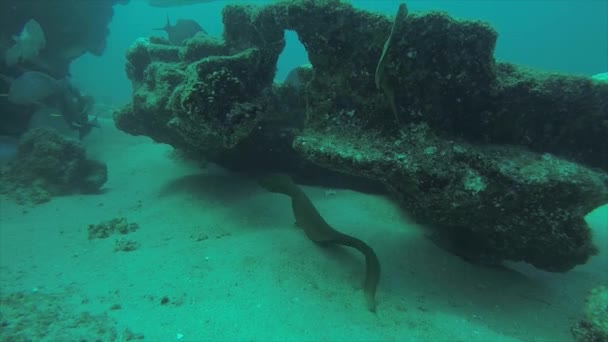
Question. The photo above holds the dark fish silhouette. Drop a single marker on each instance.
(182, 30)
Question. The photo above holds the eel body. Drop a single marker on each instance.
(308, 218)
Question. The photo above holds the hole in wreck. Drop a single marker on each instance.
(293, 55)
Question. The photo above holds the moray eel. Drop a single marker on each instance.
(308, 218)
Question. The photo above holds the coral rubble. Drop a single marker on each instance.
(46, 165)
(594, 325)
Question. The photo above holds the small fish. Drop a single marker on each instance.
(27, 44)
(182, 30)
(174, 3)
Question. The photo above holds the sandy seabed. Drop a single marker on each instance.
(219, 259)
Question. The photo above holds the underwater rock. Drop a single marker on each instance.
(49, 165)
(215, 100)
(565, 115)
(296, 77)
(594, 325)
(463, 142)
(509, 203)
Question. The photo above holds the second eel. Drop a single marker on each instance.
(308, 218)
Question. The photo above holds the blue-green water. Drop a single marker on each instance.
(562, 36)
(108, 233)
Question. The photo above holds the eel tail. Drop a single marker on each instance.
(372, 265)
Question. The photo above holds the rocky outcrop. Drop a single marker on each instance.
(496, 157)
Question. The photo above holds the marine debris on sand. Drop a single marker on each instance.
(182, 30)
